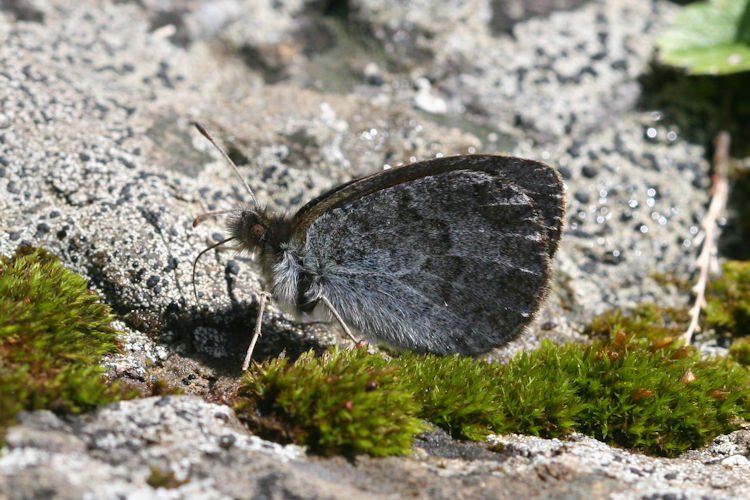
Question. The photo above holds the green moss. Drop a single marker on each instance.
(161, 479)
(628, 392)
(657, 398)
(645, 321)
(671, 279)
(345, 402)
(537, 392)
(458, 394)
(728, 300)
(470, 398)
(651, 395)
(740, 351)
(635, 386)
(53, 332)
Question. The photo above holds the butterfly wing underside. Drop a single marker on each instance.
(455, 258)
(542, 183)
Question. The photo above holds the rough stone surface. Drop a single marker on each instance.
(100, 165)
(125, 449)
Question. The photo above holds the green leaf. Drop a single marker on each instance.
(710, 38)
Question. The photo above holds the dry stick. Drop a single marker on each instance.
(262, 301)
(715, 209)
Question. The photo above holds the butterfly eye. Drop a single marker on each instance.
(258, 230)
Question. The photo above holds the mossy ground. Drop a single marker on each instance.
(53, 332)
(655, 396)
(646, 321)
(728, 308)
(728, 300)
(635, 386)
(345, 402)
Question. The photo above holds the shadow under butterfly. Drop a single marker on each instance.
(449, 255)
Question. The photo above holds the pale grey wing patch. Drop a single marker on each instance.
(456, 262)
(454, 290)
(542, 183)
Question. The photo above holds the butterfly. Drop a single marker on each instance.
(448, 255)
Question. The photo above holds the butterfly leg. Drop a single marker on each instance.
(338, 318)
(262, 301)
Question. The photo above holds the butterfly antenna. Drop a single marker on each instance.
(202, 217)
(205, 134)
(195, 262)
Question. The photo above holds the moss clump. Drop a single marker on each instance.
(158, 478)
(659, 398)
(537, 391)
(740, 351)
(671, 280)
(345, 402)
(728, 300)
(654, 396)
(645, 321)
(470, 398)
(53, 333)
(457, 394)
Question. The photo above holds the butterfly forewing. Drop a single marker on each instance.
(539, 181)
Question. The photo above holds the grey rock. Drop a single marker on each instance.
(124, 450)
(637, 476)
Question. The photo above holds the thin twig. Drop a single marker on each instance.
(715, 209)
(262, 301)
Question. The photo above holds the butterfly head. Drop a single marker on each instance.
(250, 227)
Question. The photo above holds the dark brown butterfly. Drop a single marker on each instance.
(449, 255)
